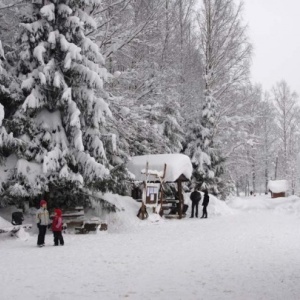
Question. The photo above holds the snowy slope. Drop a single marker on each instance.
(249, 251)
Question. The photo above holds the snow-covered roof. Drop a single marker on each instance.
(177, 165)
(278, 186)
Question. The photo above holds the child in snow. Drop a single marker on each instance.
(42, 221)
(57, 225)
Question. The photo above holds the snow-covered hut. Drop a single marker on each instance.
(278, 188)
(157, 169)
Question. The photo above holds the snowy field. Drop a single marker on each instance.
(248, 248)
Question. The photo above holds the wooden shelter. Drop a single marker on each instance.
(278, 188)
(152, 173)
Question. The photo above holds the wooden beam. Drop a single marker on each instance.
(179, 186)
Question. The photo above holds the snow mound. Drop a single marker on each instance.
(217, 207)
(4, 223)
(289, 204)
(124, 218)
(22, 234)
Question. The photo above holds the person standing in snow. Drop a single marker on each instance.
(57, 225)
(42, 221)
(195, 197)
(205, 204)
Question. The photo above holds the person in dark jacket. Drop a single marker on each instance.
(205, 204)
(57, 226)
(195, 197)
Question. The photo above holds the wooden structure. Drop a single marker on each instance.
(87, 227)
(155, 171)
(278, 188)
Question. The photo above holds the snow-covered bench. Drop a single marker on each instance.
(87, 227)
(93, 224)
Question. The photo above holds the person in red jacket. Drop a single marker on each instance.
(57, 225)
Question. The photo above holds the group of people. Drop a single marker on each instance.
(195, 198)
(43, 222)
(43, 218)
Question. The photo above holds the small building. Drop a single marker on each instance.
(156, 170)
(278, 188)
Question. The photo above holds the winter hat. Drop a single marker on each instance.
(58, 212)
(43, 202)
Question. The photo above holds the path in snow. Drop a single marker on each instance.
(247, 255)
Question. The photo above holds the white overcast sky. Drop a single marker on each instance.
(274, 30)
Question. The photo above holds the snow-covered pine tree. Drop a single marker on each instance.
(62, 116)
(225, 51)
(206, 159)
(10, 94)
(4, 94)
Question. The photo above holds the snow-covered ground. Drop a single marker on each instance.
(248, 248)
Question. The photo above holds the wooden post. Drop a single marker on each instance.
(179, 186)
(162, 195)
(161, 211)
(142, 214)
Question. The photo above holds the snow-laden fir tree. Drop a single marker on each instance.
(225, 51)
(63, 116)
(200, 147)
(10, 95)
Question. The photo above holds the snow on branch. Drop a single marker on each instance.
(74, 119)
(74, 23)
(90, 77)
(34, 27)
(34, 100)
(64, 10)
(47, 12)
(92, 51)
(53, 35)
(52, 160)
(92, 170)
(101, 110)
(28, 84)
(70, 47)
(89, 21)
(58, 80)
(66, 173)
(38, 53)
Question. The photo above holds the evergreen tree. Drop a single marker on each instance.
(10, 94)
(147, 109)
(62, 119)
(206, 159)
(225, 51)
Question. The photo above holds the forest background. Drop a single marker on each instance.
(85, 85)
